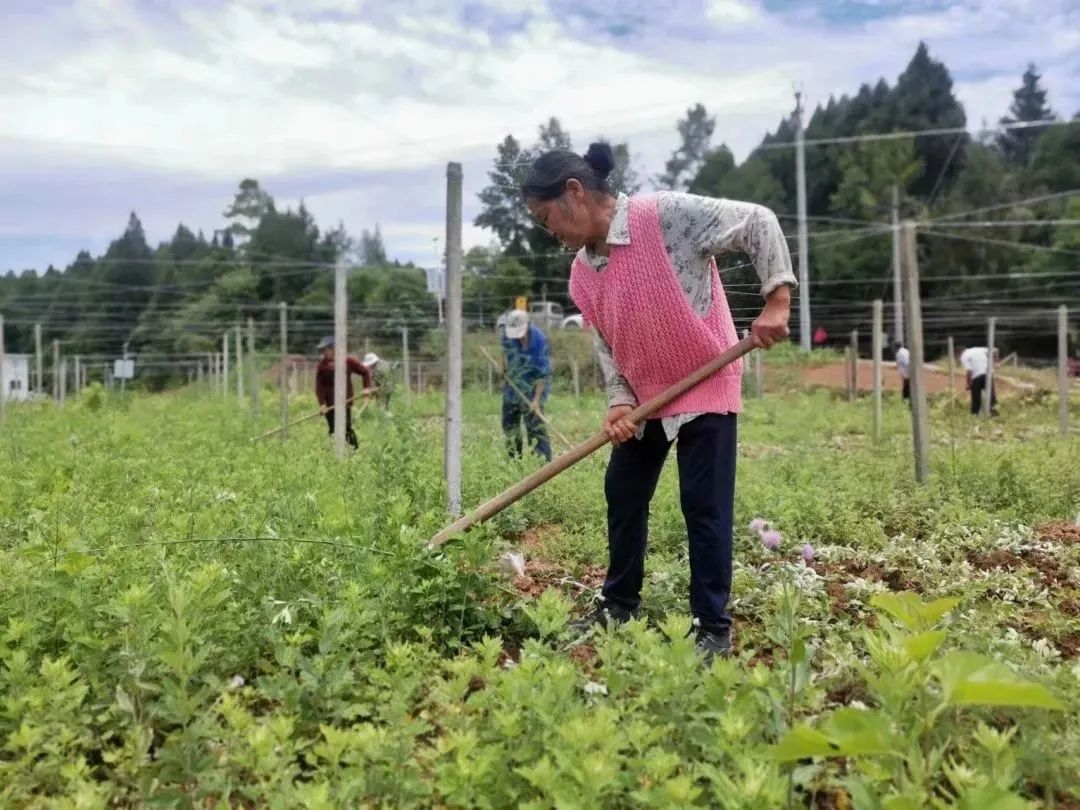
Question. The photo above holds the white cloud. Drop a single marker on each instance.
(731, 13)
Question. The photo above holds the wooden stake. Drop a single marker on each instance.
(3, 375)
(950, 347)
(253, 367)
(225, 365)
(454, 257)
(56, 370)
(39, 379)
(988, 394)
(920, 429)
(238, 337)
(854, 364)
(1063, 368)
(340, 349)
(283, 383)
(879, 326)
(847, 374)
(405, 363)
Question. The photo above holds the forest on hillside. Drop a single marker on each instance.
(1016, 256)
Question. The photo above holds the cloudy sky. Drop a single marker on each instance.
(162, 106)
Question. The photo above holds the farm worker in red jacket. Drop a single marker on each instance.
(645, 277)
(324, 386)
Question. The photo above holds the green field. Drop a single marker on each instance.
(188, 619)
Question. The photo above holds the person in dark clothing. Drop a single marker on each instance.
(645, 279)
(324, 387)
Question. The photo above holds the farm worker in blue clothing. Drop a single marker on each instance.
(527, 366)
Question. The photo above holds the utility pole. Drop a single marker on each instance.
(340, 347)
(78, 376)
(898, 287)
(804, 239)
(453, 342)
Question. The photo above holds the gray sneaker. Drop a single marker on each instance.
(603, 615)
(711, 643)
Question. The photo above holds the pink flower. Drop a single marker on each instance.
(808, 553)
(758, 525)
(771, 539)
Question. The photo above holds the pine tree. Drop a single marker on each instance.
(1017, 146)
(503, 209)
(696, 131)
(923, 99)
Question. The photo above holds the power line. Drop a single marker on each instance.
(1001, 242)
(1008, 223)
(918, 133)
(1030, 200)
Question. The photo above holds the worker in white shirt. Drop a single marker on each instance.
(976, 363)
(903, 365)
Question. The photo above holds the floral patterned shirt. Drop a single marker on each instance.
(695, 229)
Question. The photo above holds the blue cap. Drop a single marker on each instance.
(326, 343)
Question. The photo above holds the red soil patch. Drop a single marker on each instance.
(541, 575)
(994, 560)
(1069, 645)
(1047, 567)
(1059, 531)
(583, 653)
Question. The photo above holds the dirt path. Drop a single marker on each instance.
(833, 376)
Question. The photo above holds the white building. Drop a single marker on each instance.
(16, 377)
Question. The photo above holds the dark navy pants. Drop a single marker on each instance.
(706, 450)
(978, 389)
(514, 412)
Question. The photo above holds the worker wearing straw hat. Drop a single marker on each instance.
(645, 278)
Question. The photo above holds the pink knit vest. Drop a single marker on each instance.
(657, 339)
